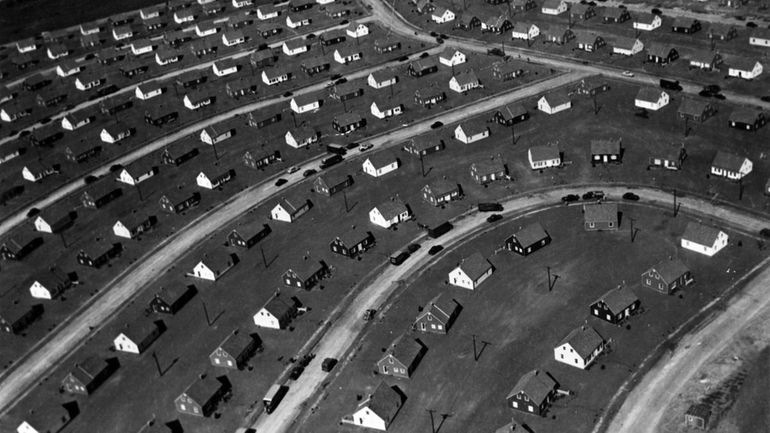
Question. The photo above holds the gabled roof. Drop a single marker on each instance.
(475, 266)
(307, 99)
(346, 88)
(728, 161)
(512, 111)
(391, 208)
(303, 133)
(552, 4)
(348, 118)
(584, 340)
(348, 50)
(382, 159)
(384, 74)
(649, 94)
(536, 384)
(235, 343)
(333, 178)
(743, 63)
(466, 77)
(86, 370)
(171, 293)
(530, 234)
(600, 212)
(693, 107)
(442, 187)
(761, 33)
(605, 146)
(441, 307)
(644, 17)
(624, 43)
(448, 53)
(721, 29)
(203, 389)
(613, 12)
(544, 152)
(383, 401)
(586, 37)
(745, 115)
(217, 260)
(619, 298)
(353, 237)
(293, 44)
(488, 166)
(554, 99)
(473, 127)
(580, 9)
(138, 330)
(277, 307)
(671, 269)
(659, 50)
(421, 64)
(703, 56)
(684, 22)
(306, 268)
(52, 278)
(700, 234)
(405, 349)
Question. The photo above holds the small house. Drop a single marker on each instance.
(260, 159)
(401, 358)
(225, 67)
(528, 239)
(48, 419)
(442, 15)
(464, 81)
(331, 183)
(685, 25)
(651, 98)
(346, 91)
(315, 65)
(747, 119)
(467, 21)
(616, 305)
(745, 68)
(441, 191)
(137, 337)
(346, 123)
(544, 156)
(760, 37)
(133, 225)
(580, 347)
(179, 152)
(235, 350)
(213, 181)
(215, 266)
(382, 78)
(216, 133)
(386, 45)
(293, 47)
(511, 114)
(489, 170)
(305, 103)
(730, 165)
(288, 211)
(202, 396)
(703, 239)
(581, 12)
(661, 54)
(667, 276)
(147, 91)
(696, 109)
(698, 416)
(497, 24)
(429, 96)
(87, 375)
(615, 15)
(49, 222)
(248, 235)
(600, 216)
(15, 318)
(627, 46)
(275, 314)
(558, 34)
(389, 213)
(589, 41)
(647, 21)
(554, 7)
(438, 315)
(722, 32)
(259, 119)
(37, 170)
(606, 151)
(554, 102)
(380, 164)
(306, 274)
(422, 67)
(98, 253)
(377, 410)
(383, 110)
(670, 158)
(471, 272)
(452, 57)
(357, 30)
(20, 245)
(198, 98)
(706, 60)
(471, 131)
(352, 243)
(100, 195)
(232, 38)
(423, 147)
(301, 137)
(179, 201)
(170, 300)
(533, 393)
(271, 76)
(505, 71)
(347, 54)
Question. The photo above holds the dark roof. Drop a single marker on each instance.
(605, 146)
(557, 98)
(693, 107)
(293, 44)
(442, 187)
(488, 166)
(584, 340)
(236, 343)
(277, 307)
(745, 115)
(700, 234)
(699, 410)
(544, 152)
(384, 74)
(684, 22)
(649, 94)
(644, 17)
(384, 401)
(442, 307)
(475, 266)
(703, 56)
(536, 384)
(530, 234)
(305, 268)
(728, 161)
(382, 159)
(53, 278)
(138, 330)
(86, 370)
(217, 260)
(601, 212)
(659, 50)
(353, 236)
(670, 270)
(428, 62)
(203, 389)
(585, 37)
(623, 42)
(619, 298)
(171, 293)
(405, 349)
(390, 208)
(743, 63)
(348, 118)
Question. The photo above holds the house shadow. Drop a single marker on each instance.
(620, 219)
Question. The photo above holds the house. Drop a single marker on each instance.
(82, 150)
(377, 410)
(215, 266)
(108, 56)
(452, 57)
(122, 32)
(429, 96)
(346, 123)
(137, 337)
(297, 21)
(315, 65)
(48, 419)
(742, 67)
(496, 23)
(242, 86)
(14, 319)
(331, 183)
(382, 111)
(651, 98)
(150, 12)
(214, 181)
(89, 80)
(464, 81)
(615, 15)
(661, 54)
(357, 30)
(275, 314)
(467, 21)
(289, 212)
(53, 223)
(235, 350)
(422, 67)
(138, 172)
(747, 119)
(142, 46)
(424, 6)
(606, 151)
(260, 159)
(184, 16)
(441, 191)
(26, 45)
(160, 114)
(442, 15)
(198, 98)
(49, 285)
(423, 147)
(600, 216)
(671, 158)
(684, 25)
(528, 239)
(147, 91)
(45, 136)
(301, 137)
(389, 213)
(272, 76)
(703, 239)
(698, 416)
(380, 164)
(166, 56)
(511, 114)
(179, 152)
(533, 393)
(616, 305)
(554, 102)
(519, 5)
(580, 347)
(667, 276)
(707, 60)
(730, 165)
(50, 98)
(306, 274)
(438, 315)
(722, 32)
(352, 243)
(68, 69)
(627, 46)
(20, 245)
(581, 12)
(647, 22)
(170, 300)
(382, 78)
(333, 37)
(346, 91)
(73, 121)
(115, 132)
(347, 54)
(293, 47)
(225, 67)
(696, 109)
(267, 11)
(487, 171)
(525, 31)
(248, 235)
(401, 358)
(264, 120)
(100, 195)
(337, 11)
(544, 156)
(760, 37)
(37, 170)
(133, 225)
(202, 396)
(589, 41)
(88, 375)
(216, 133)
(386, 45)
(191, 79)
(15, 110)
(10, 154)
(232, 38)
(262, 58)
(471, 131)
(179, 201)
(206, 28)
(554, 7)
(471, 272)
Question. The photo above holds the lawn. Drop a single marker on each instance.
(521, 321)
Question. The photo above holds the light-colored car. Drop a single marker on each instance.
(627, 74)
(365, 147)
(293, 169)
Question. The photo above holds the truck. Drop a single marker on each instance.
(670, 84)
(274, 396)
(437, 231)
(331, 160)
(400, 258)
(490, 207)
(336, 149)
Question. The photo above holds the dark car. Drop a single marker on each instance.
(341, 81)
(437, 124)
(402, 58)
(435, 249)
(296, 372)
(280, 182)
(309, 172)
(765, 98)
(400, 258)
(495, 52)
(328, 364)
(424, 55)
(630, 196)
(412, 248)
(33, 212)
(336, 77)
(569, 198)
(593, 195)
(352, 145)
(287, 94)
(369, 314)
(656, 11)
(712, 88)
(494, 217)
(310, 36)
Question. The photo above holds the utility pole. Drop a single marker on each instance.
(686, 125)
(345, 197)
(676, 207)
(475, 357)
(264, 260)
(513, 134)
(157, 364)
(740, 189)
(422, 164)
(205, 313)
(432, 422)
(633, 231)
(139, 190)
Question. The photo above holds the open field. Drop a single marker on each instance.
(521, 320)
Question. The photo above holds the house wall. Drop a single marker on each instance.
(366, 418)
(265, 319)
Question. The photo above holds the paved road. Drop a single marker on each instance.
(347, 326)
(18, 380)
(715, 17)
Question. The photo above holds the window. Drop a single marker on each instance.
(591, 225)
(216, 360)
(439, 327)
(516, 405)
(562, 356)
(229, 363)
(390, 360)
(422, 326)
(531, 409)
(612, 224)
(182, 406)
(648, 282)
(385, 369)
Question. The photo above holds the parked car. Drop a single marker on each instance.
(309, 172)
(437, 124)
(569, 198)
(712, 88)
(400, 258)
(365, 147)
(593, 195)
(296, 372)
(630, 196)
(33, 212)
(671, 85)
(369, 314)
(328, 364)
(293, 169)
(627, 74)
(656, 11)
(435, 249)
(494, 217)
(765, 233)
(412, 248)
(280, 182)
(765, 98)
(351, 145)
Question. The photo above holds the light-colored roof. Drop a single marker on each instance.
(671, 269)
(649, 94)
(391, 208)
(601, 212)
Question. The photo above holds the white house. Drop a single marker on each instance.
(525, 31)
(389, 213)
(275, 77)
(730, 165)
(347, 55)
(543, 156)
(471, 132)
(553, 103)
(380, 164)
(37, 172)
(71, 122)
(224, 68)
(275, 314)
(124, 343)
(302, 104)
(382, 78)
(142, 46)
(136, 338)
(378, 410)
(147, 91)
(202, 271)
(137, 175)
(211, 182)
(357, 30)
(703, 239)
(294, 47)
(627, 46)
(464, 81)
(301, 137)
(554, 7)
(745, 68)
(760, 37)
(86, 83)
(295, 22)
(442, 15)
(471, 272)
(26, 45)
(267, 11)
(287, 211)
(452, 57)
(68, 69)
(184, 16)
(233, 38)
(386, 110)
(45, 289)
(115, 133)
(651, 98)
(647, 22)
(207, 28)
(242, 3)
(122, 32)
(580, 347)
